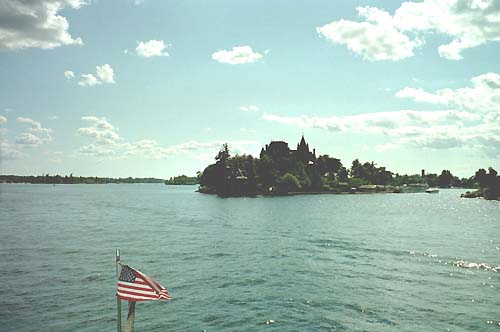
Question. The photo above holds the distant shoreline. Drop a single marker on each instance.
(70, 179)
(353, 192)
(65, 184)
(58, 179)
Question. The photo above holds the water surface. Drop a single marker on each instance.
(310, 263)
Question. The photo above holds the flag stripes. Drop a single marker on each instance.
(134, 285)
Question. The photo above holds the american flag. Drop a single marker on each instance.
(134, 285)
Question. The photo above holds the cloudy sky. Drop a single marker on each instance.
(152, 88)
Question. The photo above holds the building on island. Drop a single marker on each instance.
(280, 149)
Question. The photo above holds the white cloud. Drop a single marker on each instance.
(375, 39)
(101, 130)
(10, 151)
(108, 144)
(415, 129)
(382, 36)
(483, 96)
(104, 75)
(377, 123)
(28, 139)
(97, 150)
(69, 74)
(482, 99)
(3, 119)
(419, 95)
(36, 127)
(106, 140)
(250, 108)
(36, 134)
(151, 149)
(482, 136)
(474, 124)
(151, 48)
(32, 137)
(238, 55)
(469, 23)
(36, 24)
(89, 80)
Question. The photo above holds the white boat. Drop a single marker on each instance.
(432, 190)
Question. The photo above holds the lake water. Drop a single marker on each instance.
(310, 263)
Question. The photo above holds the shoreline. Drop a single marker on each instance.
(482, 194)
(298, 193)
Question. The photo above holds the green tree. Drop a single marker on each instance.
(299, 171)
(445, 179)
(223, 154)
(326, 164)
(343, 174)
(288, 183)
(266, 172)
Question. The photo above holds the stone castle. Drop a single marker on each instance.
(280, 149)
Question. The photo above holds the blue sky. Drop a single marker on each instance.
(152, 88)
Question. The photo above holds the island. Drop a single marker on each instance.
(489, 185)
(182, 180)
(280, 170)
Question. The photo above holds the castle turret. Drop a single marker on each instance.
(303, 154)
(262, 152)
(303, 146)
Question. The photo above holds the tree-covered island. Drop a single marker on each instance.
(283, 171)
(182, 180)
(489, 185)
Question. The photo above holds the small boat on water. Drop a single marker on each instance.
(432, 190)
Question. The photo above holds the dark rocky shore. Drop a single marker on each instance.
(482, 193)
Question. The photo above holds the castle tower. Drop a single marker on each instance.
(303, 153)
(303, 146)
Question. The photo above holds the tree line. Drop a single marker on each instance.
(182, 180)
(489, 184)
(70, 179)
(244, 175)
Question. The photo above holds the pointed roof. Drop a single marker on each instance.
(302, 144)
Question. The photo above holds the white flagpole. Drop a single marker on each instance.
(118, 301)
(130, 318)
